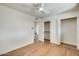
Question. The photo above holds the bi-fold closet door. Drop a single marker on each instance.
(69, 31)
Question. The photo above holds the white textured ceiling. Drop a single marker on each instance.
(52, 8)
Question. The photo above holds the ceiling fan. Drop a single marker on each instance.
(40, 7)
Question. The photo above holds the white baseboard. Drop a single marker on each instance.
(16, 48)
(41, 40)
(54, 42)
(69, 43)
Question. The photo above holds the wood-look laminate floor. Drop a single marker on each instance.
(44, 49)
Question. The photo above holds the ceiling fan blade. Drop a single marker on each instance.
(40, 7)
(44, 11)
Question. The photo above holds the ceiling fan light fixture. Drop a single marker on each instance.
(40, 9)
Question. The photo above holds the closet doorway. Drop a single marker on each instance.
(69, 31)
(47, 32)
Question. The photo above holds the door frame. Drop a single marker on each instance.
(44, 29)
(60, 29)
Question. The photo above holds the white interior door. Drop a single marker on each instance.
(68, 31)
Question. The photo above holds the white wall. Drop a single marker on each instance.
(15, 29)
(41, 31)
(55, 30)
